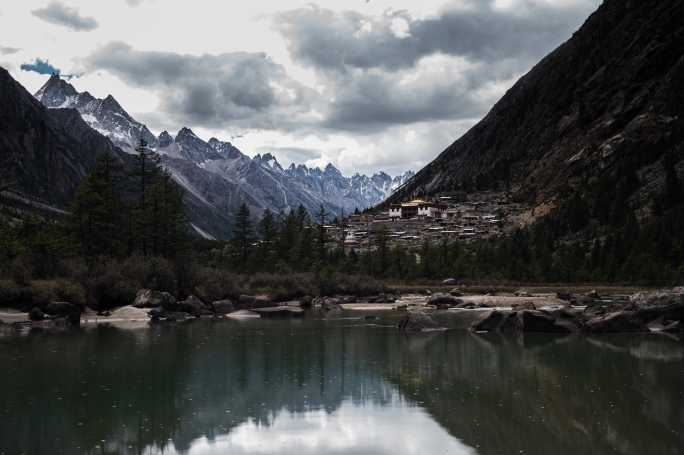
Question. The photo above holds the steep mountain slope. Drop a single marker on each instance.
(45, 153)
(195, 164)
(602, 111)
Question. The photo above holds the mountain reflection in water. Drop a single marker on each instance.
(337, 387)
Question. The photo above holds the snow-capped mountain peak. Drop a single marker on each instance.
(104, 115)
(216, 175)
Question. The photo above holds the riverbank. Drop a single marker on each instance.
(530, 309)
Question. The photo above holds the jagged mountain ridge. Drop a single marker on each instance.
(104, 115)
(612, 95)
(46, 153)
(260, 181)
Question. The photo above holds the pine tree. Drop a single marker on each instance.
(322, 238)
(97, 210)
(147, 169)
(242, 236)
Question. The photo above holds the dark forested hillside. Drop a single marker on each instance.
(45, 154)
(602, 111)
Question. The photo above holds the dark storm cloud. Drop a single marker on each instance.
(394, 69)
(41, 67)
(330, 40)
(244, 89)
(60, 14)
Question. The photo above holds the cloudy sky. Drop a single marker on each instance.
(364, 84)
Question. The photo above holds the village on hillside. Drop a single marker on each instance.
(451, 218)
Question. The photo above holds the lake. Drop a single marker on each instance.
(337, 386)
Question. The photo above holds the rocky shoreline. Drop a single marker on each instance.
(645, 312)
(517, 312)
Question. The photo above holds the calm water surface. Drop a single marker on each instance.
(337, 387)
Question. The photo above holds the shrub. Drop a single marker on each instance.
(111, 290)
(335, 283)
(153, 273)
(212, 284)
(46, 291)
(13, 296)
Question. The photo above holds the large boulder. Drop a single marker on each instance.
(444, 299)
(616, 322)
(147, 298)
(490, 322)
(223, 307)
(36, 314)
(418, 322)
(328, 303)
(522, 293)
(69, 311)
(194, 306)
(666, 305)
(539, 322)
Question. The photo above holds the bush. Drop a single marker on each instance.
(45, 291)
(111, 290)
(152, 273)
(212, 284)
(283, 287)
(358, 285)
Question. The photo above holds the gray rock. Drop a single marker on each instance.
(192, 305)
(490, 322)
(418, 322)
(444, 299)
(147, 298)
(538, 322)
(223, 307)
(456, 292)
(36, 314)
(450, 281)
(69, 311)
(616, 322)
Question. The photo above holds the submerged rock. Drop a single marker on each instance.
(616, 322)
(418, 322)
